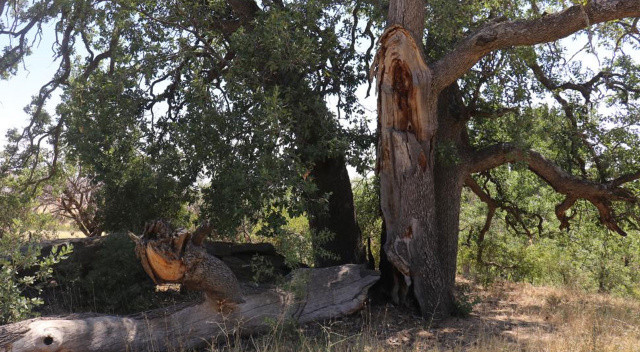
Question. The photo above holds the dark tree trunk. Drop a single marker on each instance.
(314, 127)
(338, 217)
(449, 174)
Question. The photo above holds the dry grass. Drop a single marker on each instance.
(69, 234)
(510, 317)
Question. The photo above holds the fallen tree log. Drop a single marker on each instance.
(176, 256)
(314, 294)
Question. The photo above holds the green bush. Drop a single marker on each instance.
(24, 274)
(112, 282)
(367, 203)
(587, 256)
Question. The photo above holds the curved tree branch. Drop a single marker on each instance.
(499, 35)
(561, 211)
(569, 112)
(601, 195)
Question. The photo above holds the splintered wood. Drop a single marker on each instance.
(160, 250)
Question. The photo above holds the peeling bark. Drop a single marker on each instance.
(407, 123)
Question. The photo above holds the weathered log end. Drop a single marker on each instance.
(309, 295)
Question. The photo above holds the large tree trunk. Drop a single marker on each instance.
(344, 244)
(170, 256)
(336, 236)
(420, 194)
(408, 122)
(449, 174)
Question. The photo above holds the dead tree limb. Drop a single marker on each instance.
(314, 294)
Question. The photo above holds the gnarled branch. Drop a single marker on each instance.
(601, 195)
(499, 35)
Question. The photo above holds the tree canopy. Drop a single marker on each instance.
(229, 103)
(159, 97)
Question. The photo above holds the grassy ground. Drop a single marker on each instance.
(508, 317)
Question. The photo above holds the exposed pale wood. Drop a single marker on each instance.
(314, 294)
(407, 113)
(173, 258)
(162, 267)
(404, 89)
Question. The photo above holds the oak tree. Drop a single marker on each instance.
(159, 96)
(473, 65)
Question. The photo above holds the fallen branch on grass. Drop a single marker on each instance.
(308, 295)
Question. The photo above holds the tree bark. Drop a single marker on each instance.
(449, 174)
(317, 294)
(418, 113)
(345, 245)
(407, 125)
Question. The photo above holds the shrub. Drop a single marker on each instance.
(24, 274)
(112, 281)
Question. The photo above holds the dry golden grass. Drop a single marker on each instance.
(554, 319)
(510, 317)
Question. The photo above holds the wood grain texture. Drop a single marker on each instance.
(407, 117)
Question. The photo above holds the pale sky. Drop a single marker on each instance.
(16, 92)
